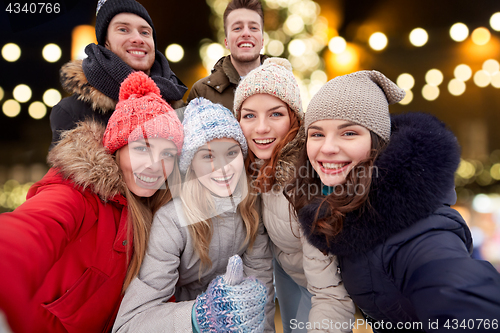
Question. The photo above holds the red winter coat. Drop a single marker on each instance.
(64, 253)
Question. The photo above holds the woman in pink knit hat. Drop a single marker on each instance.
(71, 249)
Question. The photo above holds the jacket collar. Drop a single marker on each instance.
(74, 81)
(415, 177)
(81, 158)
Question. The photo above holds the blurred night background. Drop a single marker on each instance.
(444, 53)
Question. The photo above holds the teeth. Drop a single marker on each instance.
(222, 179)
(246, 45)
(137, 52)
(147, 179)
(264, 141)
(333, 165)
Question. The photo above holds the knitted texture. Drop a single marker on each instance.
(232, 303)
(107, 9)
(362, 97)
(141, 113)
(203, 122)
(273, 77)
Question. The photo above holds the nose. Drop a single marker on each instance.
(136, 37)
(330, 146)
(263, 126)
(246, 31)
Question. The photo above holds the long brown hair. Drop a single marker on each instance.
(198, 206)
(264, 176)
(345, 197)
(140, 218)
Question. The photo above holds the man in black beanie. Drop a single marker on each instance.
(126, 42)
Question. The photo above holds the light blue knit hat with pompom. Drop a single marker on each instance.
(203, 122)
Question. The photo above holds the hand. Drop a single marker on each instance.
(232, 303)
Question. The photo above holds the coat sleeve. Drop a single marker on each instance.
(331, 303)
(32, 239)
(258, 262)
(448, 289)
(145, 306)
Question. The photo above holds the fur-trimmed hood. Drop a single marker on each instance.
(81, 158)
(415, 177)
(73, 80)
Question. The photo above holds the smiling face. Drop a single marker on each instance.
(265, 121)
(244, 37)
(218, 166)
(334, 147)
(131, 38)
(146, 166)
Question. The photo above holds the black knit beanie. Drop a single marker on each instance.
(107, 9)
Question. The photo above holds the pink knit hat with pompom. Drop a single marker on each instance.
(141, 113)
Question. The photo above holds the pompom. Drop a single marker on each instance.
(138, 84)
(278, 61)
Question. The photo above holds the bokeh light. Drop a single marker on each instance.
(337, 45)
(495, 80)
(481, 36)
(297, 47)
(482, 78)
(405, 81)
(434, 77)
(22, 93)
(430, 92)
(378, 41)
(51, 52)
(1, 93)
(174, 52)
(275, 48)
(11, 108)
(37, 110)
(51, 97)
(463, 72)
(459, 32)
(491, 66)
(495, 21)
(456, 87)
(11, 52)
(419, 37)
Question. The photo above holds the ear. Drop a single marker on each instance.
(225, 43)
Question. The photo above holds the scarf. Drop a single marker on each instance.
(105, 71)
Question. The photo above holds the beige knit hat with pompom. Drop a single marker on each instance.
(361, 97)
(273, 77)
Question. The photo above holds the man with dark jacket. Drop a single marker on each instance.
(126, 41)
(243, 26)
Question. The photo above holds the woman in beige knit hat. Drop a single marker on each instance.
(376, 191)
(311, 295)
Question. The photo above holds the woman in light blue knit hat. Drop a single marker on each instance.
(194, 236)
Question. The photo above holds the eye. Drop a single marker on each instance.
(168, 154)
(146, 33)
(208, 156)
(141, 149)
(350, 133)
(316, 135)
(248, 116)
(277, 114)
(122, 29)
(233, 153)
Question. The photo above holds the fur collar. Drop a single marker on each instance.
(81, 157)
(415, 177)
(74, 81)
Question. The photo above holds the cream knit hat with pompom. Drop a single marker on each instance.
(274, 77)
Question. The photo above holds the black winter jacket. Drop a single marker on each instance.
(406, 262)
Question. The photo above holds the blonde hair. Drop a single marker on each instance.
(140, 218)
(198, 206)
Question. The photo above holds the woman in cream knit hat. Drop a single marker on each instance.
(268, 106)
(384, 188)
